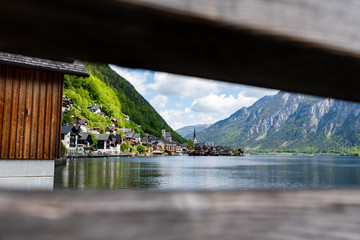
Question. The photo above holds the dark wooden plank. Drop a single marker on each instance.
(48, 114)
(59, 115)
(2, 100)
(305, 46)
(331, 215)
(35, 115)
(7, 113)
(28, 104)
(52, 102)
(19, 143)
(14, 113)
(41, 116)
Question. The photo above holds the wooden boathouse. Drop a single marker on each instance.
(31, 91)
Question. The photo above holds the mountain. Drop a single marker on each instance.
(118, 97)
(188, 131)
(290, 123)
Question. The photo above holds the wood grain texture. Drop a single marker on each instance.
(14, 112)
(31, 136)
(35, 115)
(2, 99)
(28, 105)
(181, 215)
(306, 46)
(7, 112)
(19, 147)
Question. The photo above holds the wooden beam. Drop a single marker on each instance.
(181, 215)
(306, 46)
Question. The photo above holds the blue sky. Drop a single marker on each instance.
(183, 100)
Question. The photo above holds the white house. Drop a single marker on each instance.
(95, 108)
(69, 137)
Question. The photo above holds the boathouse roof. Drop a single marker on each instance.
(65, 66)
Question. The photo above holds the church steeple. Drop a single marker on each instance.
(194, 138)
(163, 131)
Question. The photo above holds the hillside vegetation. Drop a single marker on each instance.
(118, 97)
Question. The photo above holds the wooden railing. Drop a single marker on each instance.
(306, 46)
(263, 215)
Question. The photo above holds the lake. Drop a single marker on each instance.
(210, 173)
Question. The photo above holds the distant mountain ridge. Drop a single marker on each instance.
(188, 131)
(290, 122)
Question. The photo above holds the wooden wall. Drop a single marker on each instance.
(35, 135)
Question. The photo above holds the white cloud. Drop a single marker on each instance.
(159, 102)
(257, 92)
(221, 103)
(136, 77)
(183, 86)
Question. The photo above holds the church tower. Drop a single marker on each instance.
(194, 138)
(163, 131)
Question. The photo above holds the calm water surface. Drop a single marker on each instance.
(214, 173)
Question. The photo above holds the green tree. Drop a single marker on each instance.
(123, 147)
(67, 119)
(94, 138)
(62, 149)
(141, 148)
(190, 143)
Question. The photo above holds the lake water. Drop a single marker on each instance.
(210, 173)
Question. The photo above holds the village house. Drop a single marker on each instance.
(158, 145)
(137, 138)
(84, 141)
(66, 104)
(82, 122)
(129, 137)
(170, 147)
(104, 143)
(114, 122)
(125, 130)
(115, 144)
(69, 137)
(179, 149)
(127, 118)
(95, 108)
(110, 130)
(96, 130)
(210, 144)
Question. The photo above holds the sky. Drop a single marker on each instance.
(183, 100)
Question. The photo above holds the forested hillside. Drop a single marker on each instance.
(88, 91)
(118, 96)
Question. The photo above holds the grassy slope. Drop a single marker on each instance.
(132, 103)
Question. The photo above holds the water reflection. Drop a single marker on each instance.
(215, 173)
(104, 174)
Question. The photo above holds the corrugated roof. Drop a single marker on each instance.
(72, 68)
